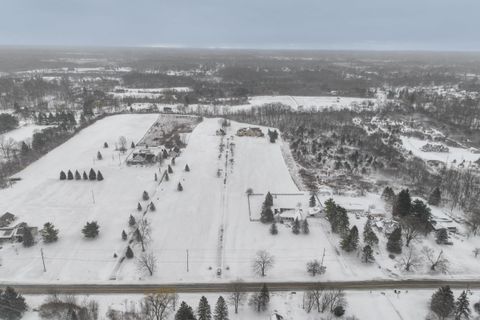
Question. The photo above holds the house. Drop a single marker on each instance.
(250, 132)
(290, 215)
(15, 233)
(167, 109)
(142, 156)
(6, 219)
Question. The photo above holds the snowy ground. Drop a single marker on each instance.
(146, 92)
(208, 220)
(457, 155)
(365, 305)
(22, 133)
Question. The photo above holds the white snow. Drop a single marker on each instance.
(22, 133)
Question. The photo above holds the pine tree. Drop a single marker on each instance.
(367, 254)
(92, 175)
(124, 235)
(90, 230)
(49, 233)
(170, 170)
(99, 156)
(145, 196)
(388, 195)
(105, 145)
(166, 176)
(132, 145)
(155, 177)
(442, 302)
(27, 238)
(85, 177)
(462, 307)
(266, 215)
(350, 240)
(203, 311)
(179, 187)
(221, 310)
(187, 168)
(173, 161)
(131, 221)
(312, 201)
(296, 227)
(402, 205)
(185, 312)
(394, 243)
(435, 197)
(369, 236)
(70, 175)
(77, 175)
(99, 176)
(12, 304)
(139, 207)
(305, 227)
(152, 207)
(63, 176)
(268, 200)
(273, 229)
(129, 253)
(24, 149)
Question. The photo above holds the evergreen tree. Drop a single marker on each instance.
(99, 176)
(388, 195)
(170, 170)
(166, 176)
(337, 216)
(139, 207)
(129, 253)
(24, 149)
(187, 168)
(77, 175)
(268, 200)
(350, 240)
(203, 311)
(27, 238)
(185, 312)
(273, 229)
(85, 177)
(179, 187)
(70, 175)
(402, 205)
(99, 156)
(462, 307)
(367, 254)
(90, 230)
(132, 145)
(221, 310)
(92, 175)
(145, 196)
(266, 215)
(63, 176)
(394, 243)
(124, 235)
(305, 227)
(131, 221)
(442, 302)
(312, 202)
(296, 227)
(369, 236)
(105, 145)
(422, 216)
(173, 161)
(155, 177)
(12, 304)
(49, 233)
(442, 236)
(152, 207)
(435, 197)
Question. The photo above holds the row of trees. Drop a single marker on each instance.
(92, 176)
(444, 305)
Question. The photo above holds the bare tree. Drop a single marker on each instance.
(263, 262)
(143, 233)
(314, 267)
(8, 148)
(436, 262)
(237, 295)
(122, 144)
(410, 229)
(313, 298)
(147, 263)
(158, 306)
(332, 299)
(409, 260)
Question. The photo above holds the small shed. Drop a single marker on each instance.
(6, 219)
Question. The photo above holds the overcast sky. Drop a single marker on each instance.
(309, 24)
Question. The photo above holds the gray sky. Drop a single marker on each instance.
(309, 24)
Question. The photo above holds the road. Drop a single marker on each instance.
(225, 286)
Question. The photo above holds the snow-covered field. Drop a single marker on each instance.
(457, 155)
(365, 305)
(146, 92)
(22, 133)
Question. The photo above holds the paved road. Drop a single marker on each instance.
(225, 286)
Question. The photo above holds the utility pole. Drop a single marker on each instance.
(323, 257)
(43, 260)
(187, 261)
(93, 197)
